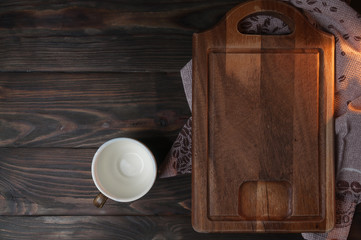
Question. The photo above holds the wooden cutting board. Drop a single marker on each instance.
(263, 158)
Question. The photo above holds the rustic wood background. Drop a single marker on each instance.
(74, 74)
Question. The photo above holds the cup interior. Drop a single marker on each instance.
(124, 169)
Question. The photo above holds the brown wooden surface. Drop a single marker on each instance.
(356, 5)
(102, 36)
(263, 126)
(74, 74)
(86, 109)
(115, 227)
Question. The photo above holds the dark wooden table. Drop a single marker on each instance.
(75, 74)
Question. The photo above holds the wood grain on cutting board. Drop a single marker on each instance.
(263, 126)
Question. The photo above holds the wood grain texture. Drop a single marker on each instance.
(355, 231)
(263, 126)
(85, 110)
(45, 181)
(114, 227)
(356, 5)
(51, 123)
(97, 37)
(126, 51)
(106, 15)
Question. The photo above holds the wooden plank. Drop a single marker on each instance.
(114, 227)
(96, 17)
(58, 182)
(356, 5)
(355, 231)
(85, 110)
(96, 37)
(128, 51)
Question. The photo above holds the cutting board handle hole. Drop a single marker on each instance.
(266, 23)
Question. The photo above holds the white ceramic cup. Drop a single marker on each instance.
(123, 169)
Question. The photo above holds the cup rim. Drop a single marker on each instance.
(102, 147)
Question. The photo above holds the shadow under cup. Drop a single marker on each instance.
(123, 170)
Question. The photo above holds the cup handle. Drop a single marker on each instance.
(100, 200)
